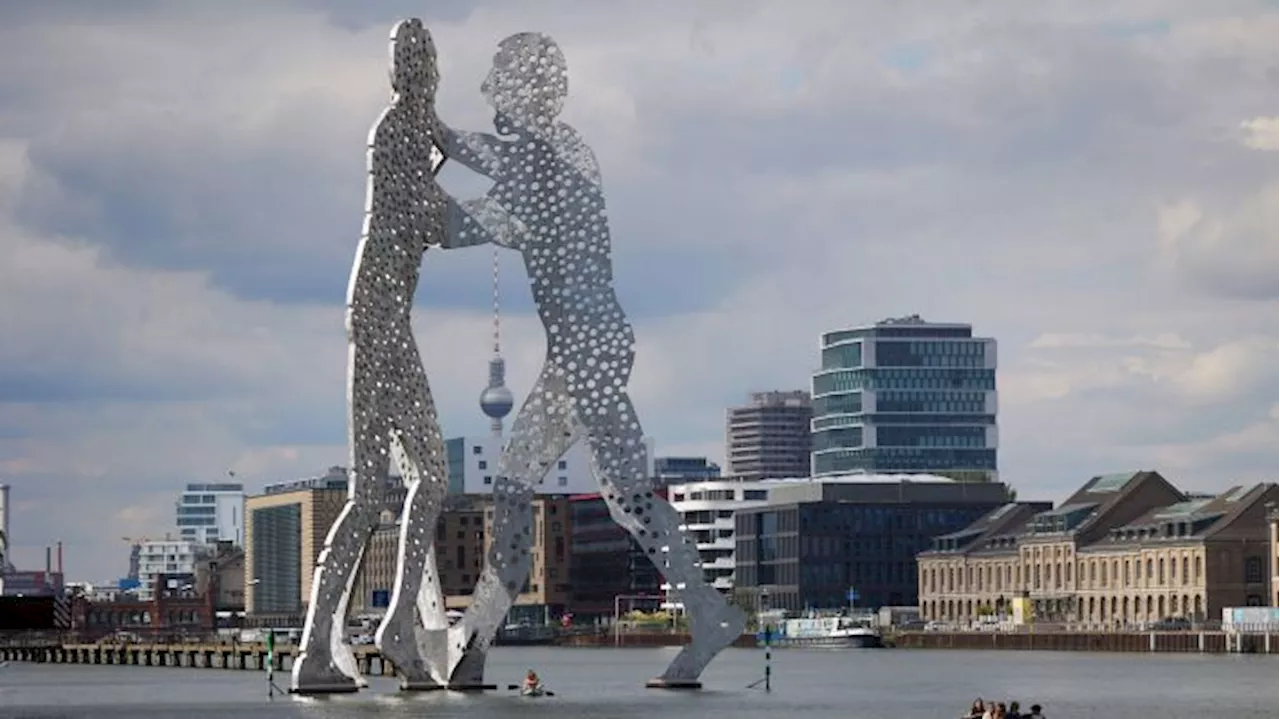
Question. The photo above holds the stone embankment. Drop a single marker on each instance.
(1185, 641)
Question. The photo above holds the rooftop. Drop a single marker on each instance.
(996, 528)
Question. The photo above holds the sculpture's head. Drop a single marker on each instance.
(413, 59)
(528, 83)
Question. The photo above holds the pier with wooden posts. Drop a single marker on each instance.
(188, 655)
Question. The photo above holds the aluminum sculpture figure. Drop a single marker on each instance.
(548, 203)
(388, 396)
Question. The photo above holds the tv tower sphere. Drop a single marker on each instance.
(496, 400)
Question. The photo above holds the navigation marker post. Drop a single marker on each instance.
(271, 664)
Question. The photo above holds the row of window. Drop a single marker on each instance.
(849, 355)
(1118, 573)
(833, 422)
(930, 354)
(925, 332)
(903, 436)
(197, 521)
(837, 438)
(897, 459)
(890, 378)
(199, 499)
(940, 437)
(561, 481)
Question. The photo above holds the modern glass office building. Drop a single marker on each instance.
(833, 544)
(906, 396)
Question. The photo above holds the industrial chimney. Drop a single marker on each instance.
(6, 541)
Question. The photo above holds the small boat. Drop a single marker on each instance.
(538, 691)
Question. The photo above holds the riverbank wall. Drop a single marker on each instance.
(640, 639)
(1185, 642)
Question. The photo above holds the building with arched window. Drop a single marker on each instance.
(1125, 550)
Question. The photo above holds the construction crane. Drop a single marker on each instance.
(135, 554)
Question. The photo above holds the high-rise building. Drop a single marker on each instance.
(473, 465)
(906, 396)
(211, 513)
(769, 437)
(678, 470)
(285, 529)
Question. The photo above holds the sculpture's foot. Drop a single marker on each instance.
(315, 674)
(661, 683)
(466, 665)
(716, 626)
(405, 655)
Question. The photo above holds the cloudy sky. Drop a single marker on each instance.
(181, 187)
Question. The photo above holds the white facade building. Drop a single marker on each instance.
(706, 513)
(210, 513)
(473, 464)
(163, 556)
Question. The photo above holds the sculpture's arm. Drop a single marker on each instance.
(474, 150)
(482, 220)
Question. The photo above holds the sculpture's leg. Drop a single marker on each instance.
(418, 646)
(326, 664)
(619, 460)
(543, 431)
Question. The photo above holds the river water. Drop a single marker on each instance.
(608, 684)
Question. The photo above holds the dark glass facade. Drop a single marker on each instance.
(455, 455)
(605, 561)
(809, 555)
(905, 396)
(678, 470)
(277, 559)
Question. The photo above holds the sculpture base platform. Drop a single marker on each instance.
(335, 688)
(672, 684)
(448, 687)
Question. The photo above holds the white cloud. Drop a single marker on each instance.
(1232, 253)
(1051, 340)
(1261, 133)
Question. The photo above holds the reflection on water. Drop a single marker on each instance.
(608, 683)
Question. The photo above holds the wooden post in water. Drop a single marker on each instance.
(271, 664)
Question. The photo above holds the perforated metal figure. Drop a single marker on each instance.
(388, 395)
(548, 203)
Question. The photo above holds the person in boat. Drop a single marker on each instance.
(531, 682)
(976, 710)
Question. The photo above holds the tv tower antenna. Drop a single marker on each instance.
(496, 400)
